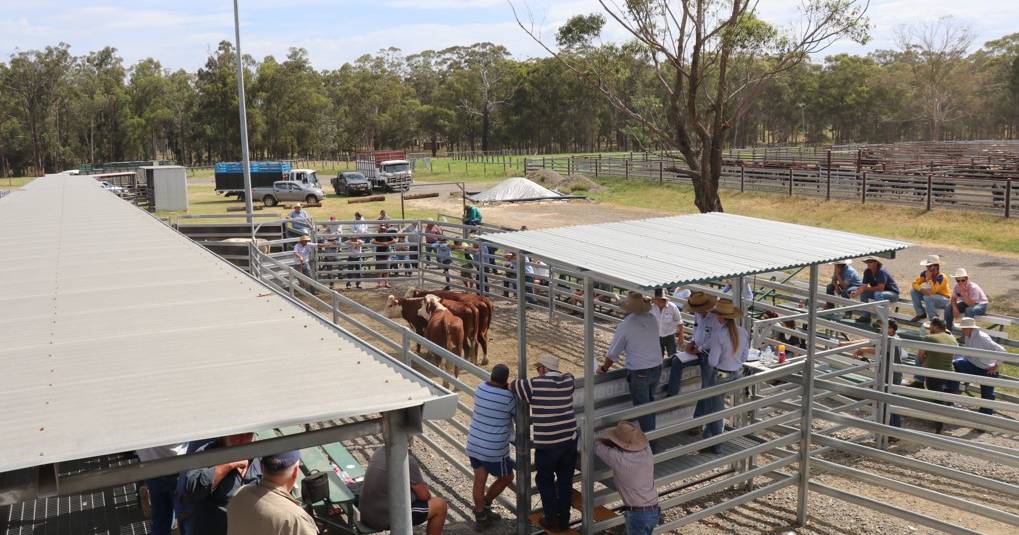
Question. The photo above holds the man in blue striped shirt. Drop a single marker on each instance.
(554, 424)
(488, 443)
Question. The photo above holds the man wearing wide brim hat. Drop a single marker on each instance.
(930, 290)
(637, 338)
(877, 285)
(844, 279)
(700, 304)
(304, 253)
(976, 338)
(968, 299)
(625, 450)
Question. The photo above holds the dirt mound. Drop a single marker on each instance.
(564, 184)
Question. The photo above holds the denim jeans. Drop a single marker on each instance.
(643, 384)
(676, 378)
(554, 478)
(641, 522)
(986, 391)
(927, 305)
(717, 404)
(668, 345)
(830, 290)
(161, 498)
(967, 311)
(877, 296)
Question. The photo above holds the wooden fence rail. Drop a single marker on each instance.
(978, 192)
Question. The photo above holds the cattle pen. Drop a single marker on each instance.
(822, 412)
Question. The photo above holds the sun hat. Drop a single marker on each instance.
(637, 303)
(872, 258)
(700, 302)
(847, 262)
(549, 361)
(627, 436)
(960, 273)
(304, 238)
(659, 293)
(931, 260)
(726, 310)
(968, 323)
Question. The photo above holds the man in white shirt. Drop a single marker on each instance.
(637, 338)
(976, 338)
(670, 322)
(304, 254)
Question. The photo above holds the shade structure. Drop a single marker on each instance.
(120, 333)
(669, 251)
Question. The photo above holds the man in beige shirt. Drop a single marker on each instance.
(266, 506)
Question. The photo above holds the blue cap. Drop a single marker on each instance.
(278, 462)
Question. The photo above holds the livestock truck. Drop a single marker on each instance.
(386, 170)
(230, 176)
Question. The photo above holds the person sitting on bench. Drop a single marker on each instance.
(374, 500)
(967, 300)
(266, 507)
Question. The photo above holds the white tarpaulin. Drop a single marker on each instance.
(515, 189)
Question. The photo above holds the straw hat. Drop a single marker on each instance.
(968, 323)
(932, 259)
(303, 239)
(700, 302)
(549, 361)
(726, 310)
(870, 259)
(846, 262)
(637, 303)
(627, 436)
(960, 273)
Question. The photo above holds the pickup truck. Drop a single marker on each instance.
(288, 190)
(349, 183)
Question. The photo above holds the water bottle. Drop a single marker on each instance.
(767, 356)
(781, 354)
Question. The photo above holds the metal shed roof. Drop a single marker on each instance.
(668, 251)
(119, 333)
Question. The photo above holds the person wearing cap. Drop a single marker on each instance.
(374, 500)
(878, 285)
(937, 360)
(637, 337)
(976, 338)
(304, 255)
(206, 492)
(266, 506)
(351, 248)
(967, 300)
(670, 322)
(844, 279)
(727, 351)
(699, 304)
(930, 292)
(488, 443)
(625, 450)
(554, 436)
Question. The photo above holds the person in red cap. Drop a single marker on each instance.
(266, 506)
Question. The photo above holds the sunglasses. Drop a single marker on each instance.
(961, 280)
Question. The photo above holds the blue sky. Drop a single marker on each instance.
(181, 32)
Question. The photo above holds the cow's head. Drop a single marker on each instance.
(410, 292)
(431, 303)
(393, 308)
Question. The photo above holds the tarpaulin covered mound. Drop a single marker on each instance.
(515, 189)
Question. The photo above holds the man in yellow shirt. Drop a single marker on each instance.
(930, 290)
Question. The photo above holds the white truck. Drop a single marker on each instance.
(386, 170)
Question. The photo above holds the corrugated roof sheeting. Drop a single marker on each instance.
(119, 334)
(669, 251)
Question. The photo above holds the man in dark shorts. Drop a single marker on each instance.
(488, 443)
(374, 501)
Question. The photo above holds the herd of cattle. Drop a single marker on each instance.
(456, 321)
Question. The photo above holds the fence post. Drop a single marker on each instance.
(930, 190)
(336, 307)
(863, 188)
(661, 168)
(569, 166)
(626, 169)
(742, 175)
(790, 181)
(827, 193)
(597, 166)
(859, 161)
(1008, 197)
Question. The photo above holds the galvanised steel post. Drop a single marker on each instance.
(806, 405)
(587, 433)
(523, 434)
(397, 472)
(245, 161)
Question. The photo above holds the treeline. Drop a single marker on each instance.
(58, 110)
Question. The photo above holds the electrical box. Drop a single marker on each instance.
(167, 187)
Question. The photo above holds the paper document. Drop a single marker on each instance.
(685, 357)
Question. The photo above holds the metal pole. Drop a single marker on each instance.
(397, 473)
(587, 433)
(806, 405)
(882, 376)
(523, 421)
(551, 292)
(242, 105)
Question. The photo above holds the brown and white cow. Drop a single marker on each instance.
(412, 310)
(483, 304)
(445, 330)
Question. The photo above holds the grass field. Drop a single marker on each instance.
(15, 182)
